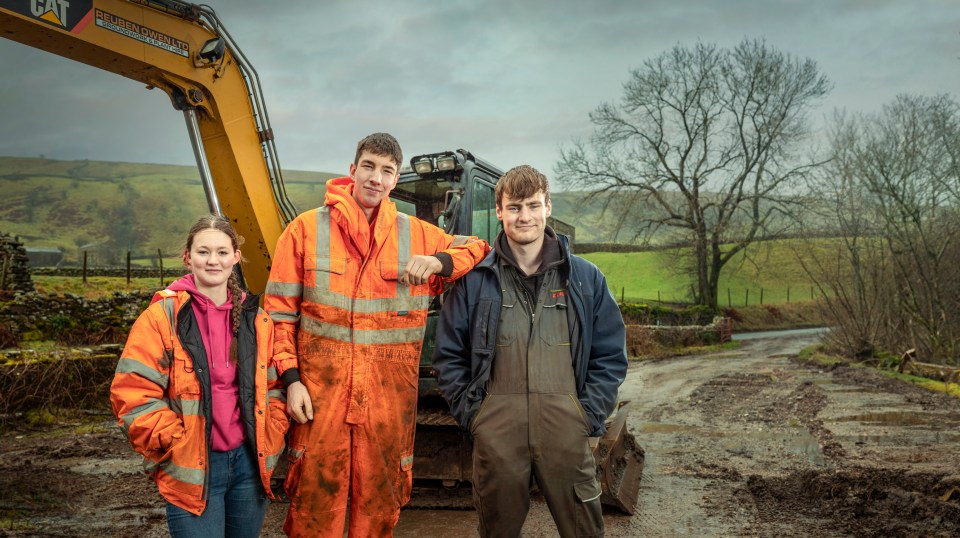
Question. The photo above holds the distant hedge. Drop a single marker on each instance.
(587, 248)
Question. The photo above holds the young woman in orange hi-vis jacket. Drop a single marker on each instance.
(197, 394)
(349, 290)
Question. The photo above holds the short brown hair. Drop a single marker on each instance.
(380, 144)
(522, 182)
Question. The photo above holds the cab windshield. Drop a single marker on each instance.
(421, 198)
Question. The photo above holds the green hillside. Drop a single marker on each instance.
(94, 206)
(143, 207)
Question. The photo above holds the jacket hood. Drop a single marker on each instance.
(563, 240)
(350, 217)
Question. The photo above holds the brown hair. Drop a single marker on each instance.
(380, 144)
(522, 182)
(222, 224)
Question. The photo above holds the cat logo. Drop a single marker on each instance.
(52, 11)
(70, 15)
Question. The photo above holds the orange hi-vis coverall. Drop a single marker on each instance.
(356, 334)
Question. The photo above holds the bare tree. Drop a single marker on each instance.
(706, 142)
(895, 178)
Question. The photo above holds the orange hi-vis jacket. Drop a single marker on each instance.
(161, 396)
(334, 283)
(352, 333)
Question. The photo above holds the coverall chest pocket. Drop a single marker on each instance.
(554, 329)
(511, 322)
(322, 269)
(317, 276)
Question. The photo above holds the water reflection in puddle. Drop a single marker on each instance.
(903, 418)
(796, 441)
(829, 386)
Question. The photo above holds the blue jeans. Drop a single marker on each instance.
(236, 502)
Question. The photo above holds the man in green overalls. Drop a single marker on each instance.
(530, 354)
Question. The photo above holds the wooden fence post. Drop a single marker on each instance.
(746, 301)
(729, 300)
(761, 296)
(3, 272)
(788, 294)
(160, 256)
(128, 268)
(84, 266)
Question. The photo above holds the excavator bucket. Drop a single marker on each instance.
(619, 463)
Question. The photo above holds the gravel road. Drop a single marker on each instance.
(752, 442)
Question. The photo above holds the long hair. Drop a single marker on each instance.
(222, 224)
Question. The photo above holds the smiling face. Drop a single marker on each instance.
(524, 219)
(374, 176)
(211, 257)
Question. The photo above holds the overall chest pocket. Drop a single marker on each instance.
(513, 323)
(554, 328)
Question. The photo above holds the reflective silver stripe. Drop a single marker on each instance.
(272, 373)
(370, 306)
(273, 459)
(406, 460)
(371, 336)
(131, 366)
(277, 394)
(186, 475)
(295, 454)
(276, 315)
(152, 404)
(322, 278)
(171, 315)
(403, 251)
(188, 407)
(149, 466)
(460, 240)
(284, 289)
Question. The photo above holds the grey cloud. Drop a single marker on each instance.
(512, 81)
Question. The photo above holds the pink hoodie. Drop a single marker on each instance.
(216, 329)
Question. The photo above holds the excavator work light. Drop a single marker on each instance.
(212, 51)
(446, 163)
(423, 166)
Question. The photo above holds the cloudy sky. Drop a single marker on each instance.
(512, 81)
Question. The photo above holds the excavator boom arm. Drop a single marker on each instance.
(183, 50)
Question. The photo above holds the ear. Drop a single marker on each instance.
(549, 205)
(186, 257)
(353, 171)
(499, 215)
(237, 257)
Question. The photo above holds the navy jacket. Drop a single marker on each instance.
(467, 339)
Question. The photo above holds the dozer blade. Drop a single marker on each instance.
(619, 463)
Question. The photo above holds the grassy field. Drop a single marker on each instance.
(770, 268)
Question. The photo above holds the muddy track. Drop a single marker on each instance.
(747, 443)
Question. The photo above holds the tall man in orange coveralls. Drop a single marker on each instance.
(348, 292)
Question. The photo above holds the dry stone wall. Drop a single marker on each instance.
(14, 269)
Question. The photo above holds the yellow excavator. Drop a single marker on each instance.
(185, 51)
